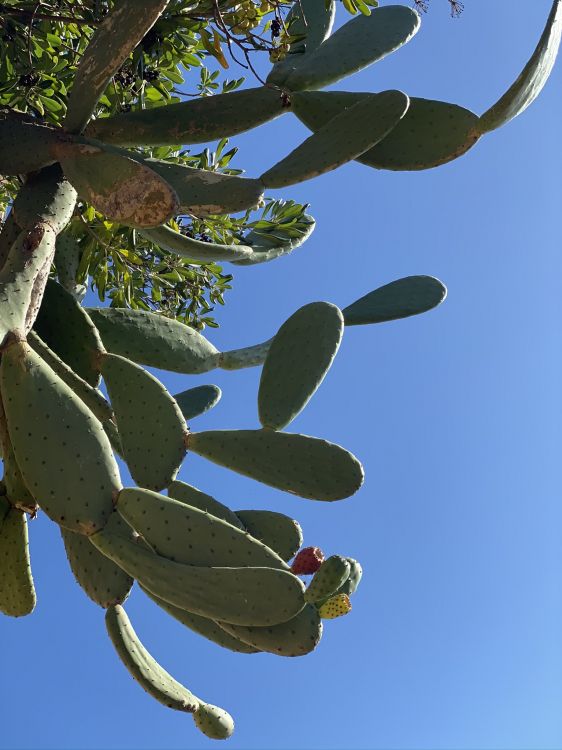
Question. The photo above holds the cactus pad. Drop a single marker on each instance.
(189, 495)
(154, 340)
(205, 119)
(214, 722)
(355, 574)
(196, 250)
(143, 667)
(348, 135)
(305, 466)
(431, 132)
(299, 357)
(266, 248)
(357, 44)
(402, 298)
(47, 197)
(196, 401)
(188, 535)
(532, 78)
(297, 637)
(25, 146)
(17, 592)
(61, 449)
(276, 530)
(243, 596)
(332, 574)
(150, 424)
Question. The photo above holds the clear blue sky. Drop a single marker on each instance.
(455, 639)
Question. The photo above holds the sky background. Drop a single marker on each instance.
(455, 639)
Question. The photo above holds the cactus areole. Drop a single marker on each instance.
(224, 574)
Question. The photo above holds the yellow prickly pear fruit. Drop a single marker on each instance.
(334, 607)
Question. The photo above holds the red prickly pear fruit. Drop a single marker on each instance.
(336, 606)
(307, 561)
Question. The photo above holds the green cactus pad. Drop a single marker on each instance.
(213, 722)
(276, 530)
(112, 43)
(267, 247)
(204, 627)
(402, 298)
(197, 250)
(154, 340)
(199, 121)
(355, 574)
(93, 398)
(67, 330)
(532, 78)
(202, 192)
(103, 581)
(187, 535)
(25, 146)
(119, 186)
(329, 577)
(149, 422)
(17, 592)
(67, 262)
(196, 401)
(299, 357)
(9, 232)
(297, 637)
(61, 449)
(14, 486)
(143, 667)
(28, 261)
(431, 132)
(243, 596)
(357, 44)
(305, 466)
(348, 135)
(248, 356)
(47, 197)
(311, 19)
(189, 495)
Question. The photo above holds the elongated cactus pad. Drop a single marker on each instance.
(67, 329)
(209, 629)
(311, 19)
(154, 340)
(93, 398)
(306, 466)
(532, 78)
(266, 247)
(197, 250)
(121, 187)
(189, 495)
(276, 530)
(196, 121)
(102, 580)
(244, 596)
(25, 146)
(143, 667)
(67, 262)
(14, 486)
(214, 722)
(17, 592)
(402, 298)
(61, 449)
(299, 357)
(196, 401)
(28, 261)
(202, 192)
(247, 356)
(188, 535)
(297, 637)
(357, 44)
(352, 132)
(47, 197)
(332, 574)
(114, 40)
(431, 132)
(150, 423)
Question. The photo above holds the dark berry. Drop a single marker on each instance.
(275, 28)
(29, 79)
(150, 75)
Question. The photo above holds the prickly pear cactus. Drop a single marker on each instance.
(225, 574)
